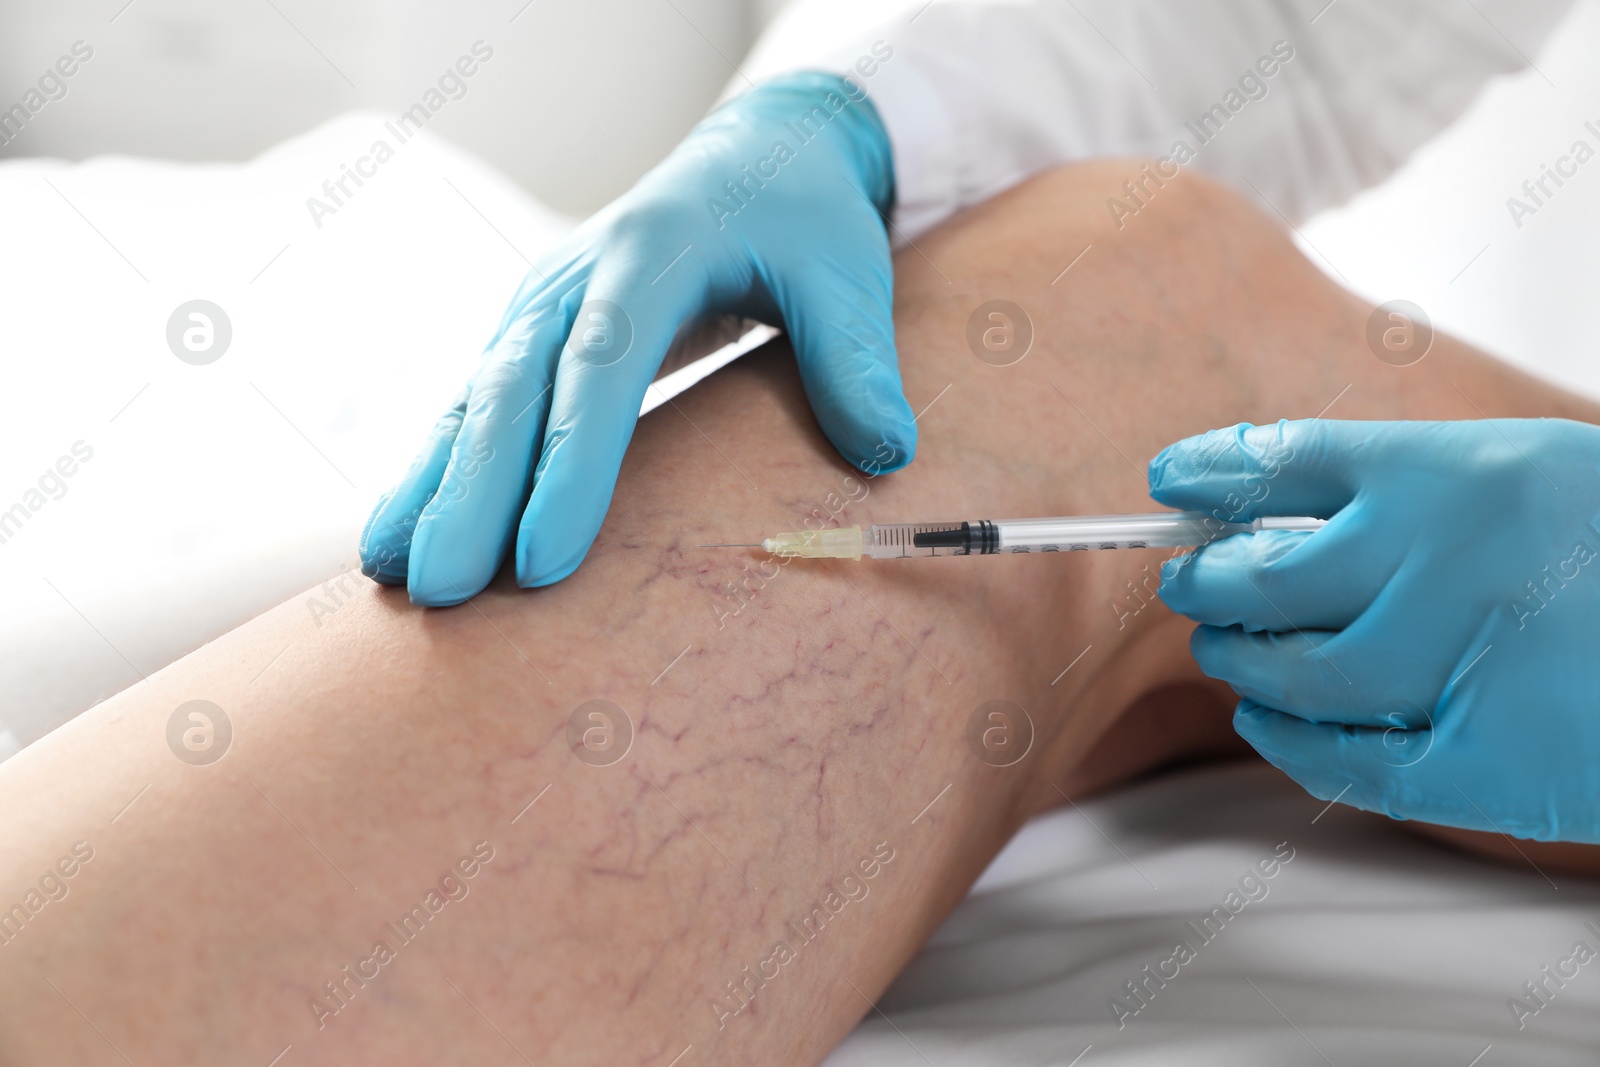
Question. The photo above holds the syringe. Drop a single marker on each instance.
(986, 537)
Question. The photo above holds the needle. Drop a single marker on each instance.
(730, 546)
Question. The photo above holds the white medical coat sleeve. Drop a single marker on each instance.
(979, 94)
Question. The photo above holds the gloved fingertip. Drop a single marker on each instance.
(879, 443)
(889, 441)
(1176, 590)
(384, 556)
(1156, 469)
(904, 456)
(549, 577)
(1217, 656)
(892, 452)
(1202, 639)
(1175, 464)
(383, 577)
(1251, 722)
(425, 597)
(443, 572)
(538, 565)
(428, 587)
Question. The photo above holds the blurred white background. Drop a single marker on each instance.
(581, 99)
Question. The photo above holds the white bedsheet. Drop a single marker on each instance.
(1370, 946)
(217, 491)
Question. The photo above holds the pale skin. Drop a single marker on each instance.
(787, 740)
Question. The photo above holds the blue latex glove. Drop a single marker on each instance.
(773, 207)
(1433, 652)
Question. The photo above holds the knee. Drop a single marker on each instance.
(1123, 190)
(1142, 228)
(1139, 207)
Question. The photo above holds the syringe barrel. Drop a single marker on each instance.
(895, 540)
(1169, 529)
(1081, 532)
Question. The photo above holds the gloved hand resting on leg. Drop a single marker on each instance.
(773, 207)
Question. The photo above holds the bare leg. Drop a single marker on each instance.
(799, 805)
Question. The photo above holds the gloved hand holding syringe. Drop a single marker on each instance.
(902, 540)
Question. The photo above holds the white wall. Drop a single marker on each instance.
(581, 97)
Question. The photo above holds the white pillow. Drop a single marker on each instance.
(213, 492)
